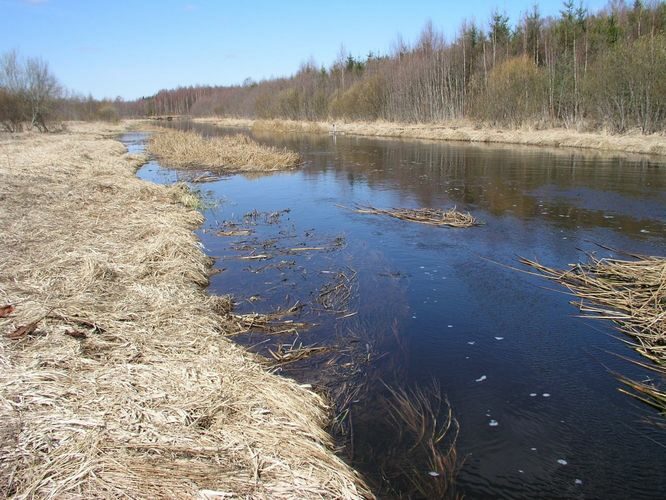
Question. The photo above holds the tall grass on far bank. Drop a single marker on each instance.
(237, 153)
(288, 126)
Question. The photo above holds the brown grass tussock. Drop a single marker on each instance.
(236, 153)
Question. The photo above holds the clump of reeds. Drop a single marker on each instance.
(236, 153)
(430, 216)
(288, 126)
(425, 455)
(276, 323)
(290, 353)
(632, 293)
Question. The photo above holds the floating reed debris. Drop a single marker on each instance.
(273, 323)
(430, 216)
(235, 232)
(336, 295)
(632, 293)
(290, 353)
(237, 153)
(647, 391)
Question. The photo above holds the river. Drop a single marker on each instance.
(529, 382)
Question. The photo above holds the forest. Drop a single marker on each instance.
(582, 70)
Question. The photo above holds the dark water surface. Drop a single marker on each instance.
(505, 346)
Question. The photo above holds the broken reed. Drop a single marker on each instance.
(236, 153)
(430, 216)
(631, 293)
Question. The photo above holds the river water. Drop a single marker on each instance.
(529, 382)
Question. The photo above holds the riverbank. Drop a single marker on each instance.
(654, 144)
(122, 382)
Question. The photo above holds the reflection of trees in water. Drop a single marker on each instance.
(501, 180)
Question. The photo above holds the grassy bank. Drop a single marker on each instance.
(123, 383)
(654, 144)
(236, 153)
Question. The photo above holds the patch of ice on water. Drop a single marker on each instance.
(561, 461)
(493, 423)
(481, 378)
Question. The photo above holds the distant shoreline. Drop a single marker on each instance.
(633, 143)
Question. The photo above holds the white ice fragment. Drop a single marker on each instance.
(414, 316)
(533, 394)
(449, 326)
(561, 461)
(533, 449)
(644, 231)
(546, 395)
(481, 378)
(578, 481)
(493, 423)
(521, 471)
(421, 267)
(499, 338)
(433, 473)
(471, 342)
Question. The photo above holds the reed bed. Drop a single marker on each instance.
(116, 378)
(632, 293)
(236, 153)
(430, 216)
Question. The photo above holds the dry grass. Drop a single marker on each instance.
(632, 293)
(464, 131)
(289, 126)
(430, 216)
(237, 153)
(126, 384)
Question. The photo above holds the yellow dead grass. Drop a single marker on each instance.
(128, 387)
(654, 144)
(236, 153)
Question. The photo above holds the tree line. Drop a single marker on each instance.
(602, 70)
(578, 69)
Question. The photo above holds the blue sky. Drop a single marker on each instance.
(134, 48)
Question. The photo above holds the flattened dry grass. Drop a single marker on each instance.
(127, 386)
(236, 153)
